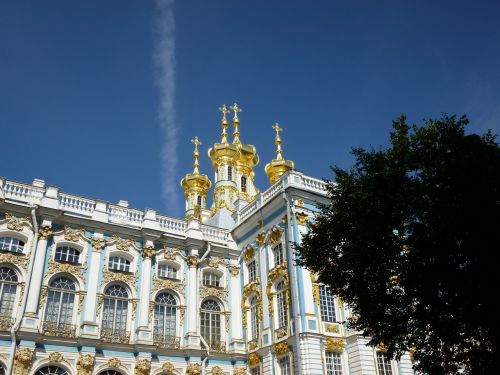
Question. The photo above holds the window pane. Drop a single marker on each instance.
(67, 254)
(252, 272)
(383, 364)
(333, 363)
(327, 304)
(11, 244)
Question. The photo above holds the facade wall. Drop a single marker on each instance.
(252, 279)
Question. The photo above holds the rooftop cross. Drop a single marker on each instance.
(236, 122)
(196, 155)
(223, 123)
(277, 141)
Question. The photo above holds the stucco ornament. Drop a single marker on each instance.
(249, 253)
(240, 371)
(22, 361)
(114, 363)
(261, 238)
(332, 328)
(168, 367)
(45, 232)
(55, 357)
(216, 370)
(193, 369)
(14, 223)
(98, 244)
(253, 359)
(142, 366)
(85, 364)
(281, 348)
(73, 235)
(335, 344)
(193, 260)
(148, 252)
(235, 271)
(301, 218)
(275, 235)
(214, 262)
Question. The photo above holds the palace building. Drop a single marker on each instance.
(89, 287)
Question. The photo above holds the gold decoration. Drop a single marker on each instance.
(171, 254)
(260, 223)
(134, 309)
(22, 361)
(98, 244)
(81, 296)
(114, 363)
(277, 272)
(13, 223)
(275, 236)
(142, 366)
(253, 359)
(227, 315)
(281, 348)
(261, 238)
(412, 352)
(193, 260)
(20, 260)
(240, 371)
(235, 271)
(277, 167)
(73, 235)
(248, 290)
(381, 346)
(168, 367)
(216, 370)
(335, 344)
(299, 202)
(55, 357)
(206, 290)
(21, 293)
(100, 300)
(85, 364)
(249, 253)
(281, 332)
(253, 345)
(214, 262)
(193, 369)
(121, 244)
(316, 294)
(301, 218)
(160, 283)
(181, 318)
(45, 232)
(70, 268)
(148, 252)
(126, 278)
(334, 328)
(43, 296)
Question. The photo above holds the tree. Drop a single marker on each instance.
(409, 242)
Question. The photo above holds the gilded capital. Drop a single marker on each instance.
(168, 367)
(253, 359)
(193, 260)
(85, 364)
(193, 369)
(261, 238)
(148, 252)
(142, 366)
(22, 361)
(55, 357)
(281, 348)
(98, 244)
(235, 271)
(114, 363)
(216, 370)
(249, 253)
(301, 218)
(45, 232)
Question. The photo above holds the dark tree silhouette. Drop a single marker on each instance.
(409, 242)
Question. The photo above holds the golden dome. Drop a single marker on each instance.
(196, 182)
(223, 151)
(277, 167)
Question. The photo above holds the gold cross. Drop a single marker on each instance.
(224, 111)
(277, 128)
(235, 109)
(196, 143)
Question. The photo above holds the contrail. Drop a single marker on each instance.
(164, 58)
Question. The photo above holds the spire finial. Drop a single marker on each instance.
(223, 123)
(236, 123)
(277, 141)
(196, 155)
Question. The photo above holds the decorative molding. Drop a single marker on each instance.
(148, 252)
(22, 361)
(281, 348)
(335, 344)
(171, 254)
(275, 235)
(240, 371)
(98, 244)
(114, 363)
(193, 369)
(261, 238)
(45, 232)
(248, 290)
(277, 272)
(142, 366)
(299, 202)
(253, 359)
(15, 223)
(160, 283)
(75, 269)
(168, 367)
(108, 276)
(214, 262)
(301, 218)
(235, 271)
(249, 253)
(381, 346)
(333, 328)
(216, 370)
(315, 292)
(20, 260)
(206, 291)
(56, 357)
(73, 235)
(85, 364)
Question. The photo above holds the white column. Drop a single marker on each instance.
(236, 312)
(38, 267)
(90, 313)
(147, 254)
(192, 294)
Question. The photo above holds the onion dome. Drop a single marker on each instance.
(223, 152)
(277, 167)
(248, 157)
(195, 185)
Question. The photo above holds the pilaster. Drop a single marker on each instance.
(143, 331)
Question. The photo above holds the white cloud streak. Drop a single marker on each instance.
(164, 58)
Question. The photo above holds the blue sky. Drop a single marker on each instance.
(96, 95)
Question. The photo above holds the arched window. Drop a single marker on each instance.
(327, 304)
(211, 324)
(167, 271)
(211, 279)
(60, 307)
(243, 184)
(51, 370)
(199, 200)
(119, 264)
(278, 254)
(252, 271)
(67, 254)
(114, 314)
(8, 288)
(282, 305)
(164, 330)
(254, 318)
(11, 244)
(229, 173)
(110, 372)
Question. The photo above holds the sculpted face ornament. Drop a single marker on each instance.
(85, 364)
(142, 366)
(114, 363)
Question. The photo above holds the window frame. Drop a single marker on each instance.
(61, 297)
(58, 250)
(327, 304)
(11, 293)
(112, 257)
(11, 244)
(331, 367)
(252, 270)
(212, 275)
(384, 367)
(168, 274)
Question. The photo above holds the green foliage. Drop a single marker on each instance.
(409, 242)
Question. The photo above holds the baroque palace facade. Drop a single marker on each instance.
(89, 287)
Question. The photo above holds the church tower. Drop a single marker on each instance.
(195, 187)
(233, 165)
(277, 167)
